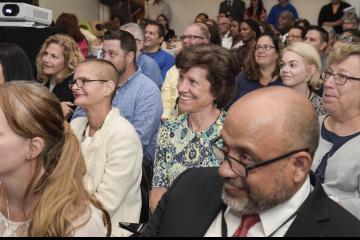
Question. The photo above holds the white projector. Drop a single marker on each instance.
(22, 12)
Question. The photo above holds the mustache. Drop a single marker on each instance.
(237, 183)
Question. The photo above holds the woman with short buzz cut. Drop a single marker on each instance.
(205, 86)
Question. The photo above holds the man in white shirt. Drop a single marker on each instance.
(263, 187)
(223, 23)
(154, 8)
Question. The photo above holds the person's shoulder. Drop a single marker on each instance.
(166, 54)
(118, 123)
(90, 224)
(174, 123)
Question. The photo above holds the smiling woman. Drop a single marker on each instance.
(56, 62)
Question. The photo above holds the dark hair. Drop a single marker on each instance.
(161, 29)
(204, 15)
(303, 31)
(220, 67)
(251, 68)
(324, 35)
(259, 10)
(167, 27)
(69, 24)
(302, 21)
(127, 40)
(15, 63)
(215, 37)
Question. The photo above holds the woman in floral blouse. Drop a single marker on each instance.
(205, 86)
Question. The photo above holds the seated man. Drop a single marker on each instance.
(250, 196)
(154, 36)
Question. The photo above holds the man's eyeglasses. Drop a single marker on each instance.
(190, 37)
(80, 82)
(340, 79)
(264, 47)
(242, 169)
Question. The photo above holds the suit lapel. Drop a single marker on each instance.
(314, 213)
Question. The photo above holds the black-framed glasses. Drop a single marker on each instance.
(80, 82)
(190, 37)
(242, 169)
(340, 79)
(264, 47)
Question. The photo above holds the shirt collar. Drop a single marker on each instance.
(273, 218)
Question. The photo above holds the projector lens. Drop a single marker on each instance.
(10, 10)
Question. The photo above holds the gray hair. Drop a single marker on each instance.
(135, 30)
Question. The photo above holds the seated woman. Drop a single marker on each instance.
(56, 63)
(42, 169)
(69, 24)
(110, 144)
(261, 67)
(337, 159)
(235, 34)
(169, 33)
(14, 64)
(205, 85)
(300, 70)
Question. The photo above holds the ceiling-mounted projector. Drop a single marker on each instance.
(22, 12)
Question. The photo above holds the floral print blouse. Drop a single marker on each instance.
(179, 148)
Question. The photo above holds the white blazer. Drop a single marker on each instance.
(113, 159)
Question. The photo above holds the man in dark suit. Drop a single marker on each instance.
(250, 196)
(233, 8)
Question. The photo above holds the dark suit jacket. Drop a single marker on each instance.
(194, 201)
(236, 11)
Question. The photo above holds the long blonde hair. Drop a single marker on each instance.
(72, 57)
(58, 196)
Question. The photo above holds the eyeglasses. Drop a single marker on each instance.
(264, 47)
(241, 168)
(340, 79)
(190, 37)
(80, 82)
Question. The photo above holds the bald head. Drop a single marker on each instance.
(102, 69)
(281, 115)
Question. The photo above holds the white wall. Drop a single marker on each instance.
(85, 10)
(184, 11)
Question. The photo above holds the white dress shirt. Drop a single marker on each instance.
(271, 219)
(226, 41)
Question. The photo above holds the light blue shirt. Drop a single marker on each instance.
(150, 68)
(139, 101)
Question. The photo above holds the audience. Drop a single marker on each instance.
(256, 11)
(224, 29)
(233, 8)
(127, 10)
(195, 34)
(284, 22)
(300, 70)
(262, 66)
(110, 144)
(14, 64)
(331, 14)
(42, 170)
(235, 34)
(283, 5)
(336, 160)
(213, 28)
(154, 37)
(149, 66)
(201, 18)
(69, 24)
(205, 85)
(248, 196)
(154, 8)
(56, 62)
(302, 22)
(350, 21)
(169, 33)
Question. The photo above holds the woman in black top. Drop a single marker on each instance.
(331, 14)
(169, 33)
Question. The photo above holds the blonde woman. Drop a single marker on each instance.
(300, 70)
(42, 169)
(56, 62)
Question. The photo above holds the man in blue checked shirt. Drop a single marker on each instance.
(137, 97)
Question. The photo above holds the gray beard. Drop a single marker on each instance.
(255, 203)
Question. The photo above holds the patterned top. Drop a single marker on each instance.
(13, 229)
(179, 148)
(317, 102)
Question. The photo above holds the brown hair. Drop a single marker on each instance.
(72, 57)
(69, 24)
(220, 66)
(252, 69)
(58, 197)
